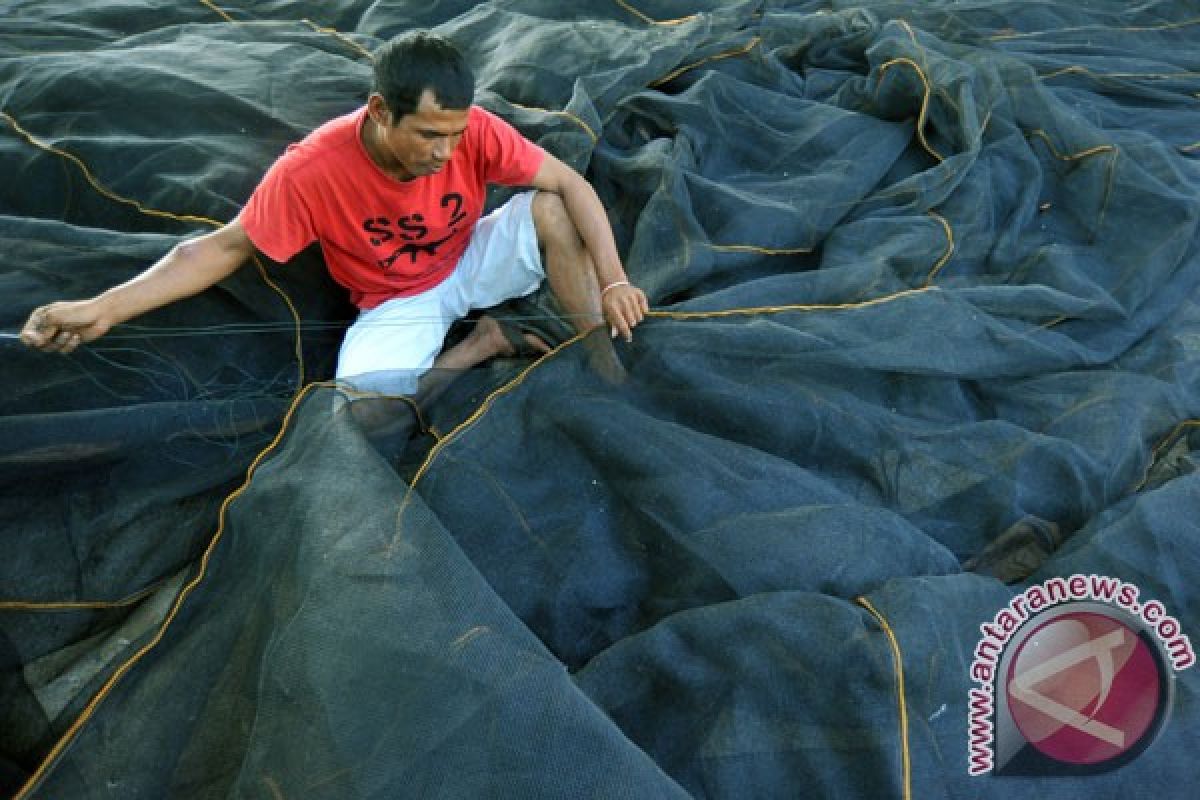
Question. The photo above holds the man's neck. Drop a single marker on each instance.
(370, 134)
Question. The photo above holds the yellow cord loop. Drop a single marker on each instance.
(924, 113)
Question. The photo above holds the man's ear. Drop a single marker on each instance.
(378, 111)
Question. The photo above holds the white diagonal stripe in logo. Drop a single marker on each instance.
(1021, 686)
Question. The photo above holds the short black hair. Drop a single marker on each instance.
(418, 60)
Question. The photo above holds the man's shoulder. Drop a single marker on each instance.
(326, 145)
(504, 154)
(480, 117)
(490, 134)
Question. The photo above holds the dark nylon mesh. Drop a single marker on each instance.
(924, 279)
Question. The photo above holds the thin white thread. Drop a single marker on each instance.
(128, 331)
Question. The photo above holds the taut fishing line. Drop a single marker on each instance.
(128, 331)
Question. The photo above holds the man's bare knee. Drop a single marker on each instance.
(569, 268)
(553, 222)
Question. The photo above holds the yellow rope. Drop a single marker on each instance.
(737, 312)
(154, 212)
(487, 404)
(912, 35)
(99, 187)
(1091, 151)
(949, 247)
(90, 709)
(1131, 29)
(746, 48)
(341, 37)
(298, 340)
(490, 400)
(318, 28)
(445, 440)
(649, 21)
(901, 701)
(752, 248)
(223, 15)
(924, 113)
(76, 605)
(350, 391)
(567, 114)
(1078, 70)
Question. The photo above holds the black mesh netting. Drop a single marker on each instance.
(926, 333)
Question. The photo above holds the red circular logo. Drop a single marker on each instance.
(1084, 688)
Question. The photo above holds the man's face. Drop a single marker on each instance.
(419, 143)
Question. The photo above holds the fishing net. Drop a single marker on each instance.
(925, 333)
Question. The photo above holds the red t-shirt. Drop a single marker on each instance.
(383, 238)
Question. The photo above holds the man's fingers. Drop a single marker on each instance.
(67, 341)
(635, 310)
(636, 313)
(621, 328)
(635, 307)
(48, 336)
(58, 343)
(37, 331)
(31, 338)
(61, 327)
(626, 311)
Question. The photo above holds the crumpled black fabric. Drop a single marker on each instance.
(925, 333)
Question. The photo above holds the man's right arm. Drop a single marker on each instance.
(189, 268)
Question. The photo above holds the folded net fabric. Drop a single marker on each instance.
(923, 280)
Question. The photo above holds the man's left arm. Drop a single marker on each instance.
(623, 304)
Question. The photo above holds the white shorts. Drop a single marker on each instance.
(389, 347)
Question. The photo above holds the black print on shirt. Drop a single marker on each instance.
(457, 215)
(412, 232)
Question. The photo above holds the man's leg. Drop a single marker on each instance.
(569, 268)
(389, 421)
(572, 277)
(389, 346)
(484, 342)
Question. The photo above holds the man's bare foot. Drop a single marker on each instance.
(493, 339)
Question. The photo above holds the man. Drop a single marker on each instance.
(394, 194)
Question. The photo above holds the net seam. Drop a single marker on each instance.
(901, 702)
(154, 212)
(127, 666)
(651, 21)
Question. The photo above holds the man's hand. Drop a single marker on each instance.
(189, 268)
(624, 307)
(61, 327)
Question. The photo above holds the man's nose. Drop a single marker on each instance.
(441, 149)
